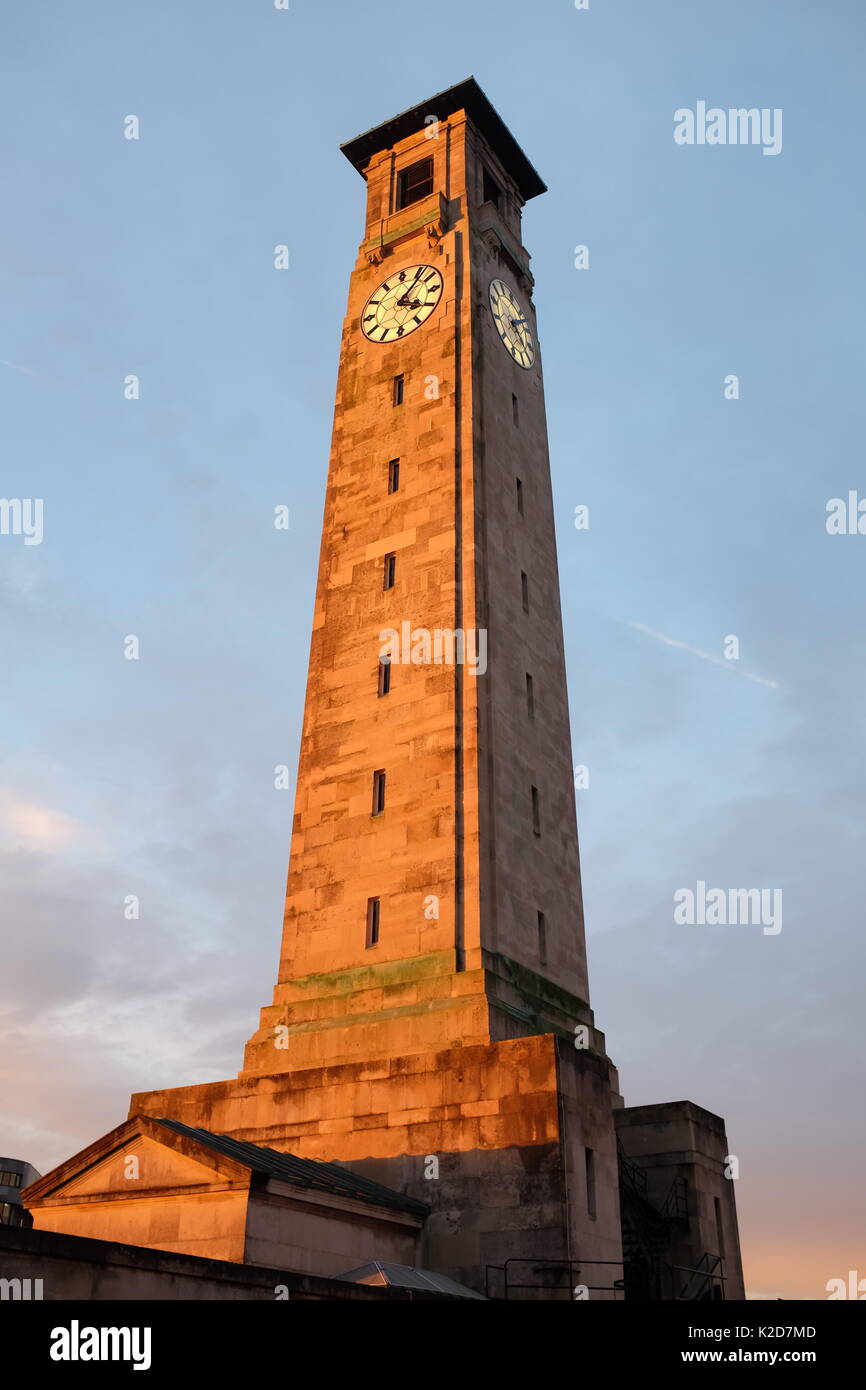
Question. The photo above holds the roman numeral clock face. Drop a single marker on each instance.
(401, 303)
(512, 323)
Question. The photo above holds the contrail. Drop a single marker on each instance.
(705, 656)
(16, 367)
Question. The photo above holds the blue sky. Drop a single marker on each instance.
(707, 518)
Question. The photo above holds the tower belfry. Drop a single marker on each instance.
(432, 1000)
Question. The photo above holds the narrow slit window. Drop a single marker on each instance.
(398, 389)
(590, 1183)
(720, 1234)
(378, 793)
(394, 475)
(490, 190)
(415, 183)
(519, 496)
(515, 410)
(524, 590)
(390, 571)
(384, 676)
(374, 908)
(542, 939)
(530, 697)
(536, 812)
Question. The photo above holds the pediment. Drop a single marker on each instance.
(138, 1157)
(140, 1165)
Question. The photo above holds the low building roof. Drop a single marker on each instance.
(301, 1172)
(406, 1277)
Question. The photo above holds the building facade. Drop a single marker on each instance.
(431, 1027)
(15, 1175)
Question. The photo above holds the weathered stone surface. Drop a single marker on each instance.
(144, 1184)
(452, 1038)
(461, 752)
(508, 1124)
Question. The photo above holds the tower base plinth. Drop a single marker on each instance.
(493, 1137)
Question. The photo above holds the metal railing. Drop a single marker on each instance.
(706, 1280)
(648, 1281)
(676, 1204)
(555, 1279)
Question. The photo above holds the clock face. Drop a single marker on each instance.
(512, 323)
(401, 303)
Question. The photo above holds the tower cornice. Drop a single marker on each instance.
(464, 96)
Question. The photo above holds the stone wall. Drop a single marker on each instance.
(72, 1268)
(507, 1124)
(680, 1139)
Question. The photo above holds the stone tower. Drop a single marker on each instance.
(438, 520)
(431, 1025)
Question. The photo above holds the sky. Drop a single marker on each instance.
(154, 778)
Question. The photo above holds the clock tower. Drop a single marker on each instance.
(434, 890)
(430, 1026)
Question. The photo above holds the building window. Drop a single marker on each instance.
(720, 1234)
(398, 389)
(390, 571)
(394, 475)
(515, 411)
(524, 590)
(590, 1183)
(378, 793)
(12, 1215)
(415, 183)
(490, 190)
(373, 910)
(519, 496)
(10, 1179)
(384, 676)
(536, 814)
(542, 939)
(530, 697)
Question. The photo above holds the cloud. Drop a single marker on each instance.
(33, 825)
